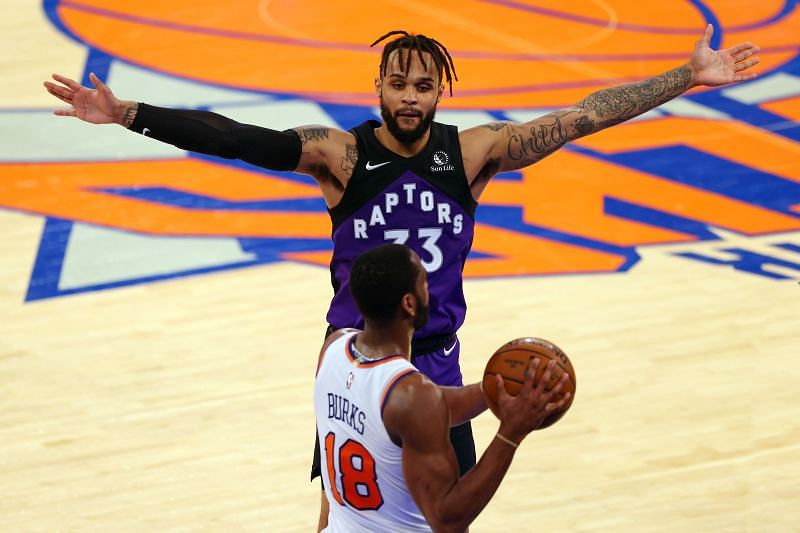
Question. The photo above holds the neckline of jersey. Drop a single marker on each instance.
(363, 357)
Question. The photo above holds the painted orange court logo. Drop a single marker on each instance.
(721, 160)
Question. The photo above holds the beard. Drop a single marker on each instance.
(422, 316)
(402, 135)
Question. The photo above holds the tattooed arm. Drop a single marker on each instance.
(329, 155)
(502, 146)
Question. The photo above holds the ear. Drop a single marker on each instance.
(378, 87)
(409, 304)
(440, 93)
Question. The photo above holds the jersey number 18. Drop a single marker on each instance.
(358, 478)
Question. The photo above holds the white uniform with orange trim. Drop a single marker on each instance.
(361, 467)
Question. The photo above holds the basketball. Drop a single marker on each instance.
(511, 361)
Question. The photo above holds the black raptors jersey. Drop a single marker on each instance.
(423, 202)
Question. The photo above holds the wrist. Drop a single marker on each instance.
(509, 433)
(694, 76)
(503, 438)
(125, 112)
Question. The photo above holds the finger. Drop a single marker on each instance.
(733, 50)
(98, 83)
(530, 373)
(555, 406)
(742, 54)
(59, 92)
(501, 386)
(706, 40)
(547, 376)
(62, 98)
(744, 65)
(556, 390)
(745, 77)
(72, 84)
(65, 112)
(560, 385)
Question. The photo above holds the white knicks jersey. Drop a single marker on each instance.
(361, 467)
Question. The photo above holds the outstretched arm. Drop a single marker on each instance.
(324, 153)
(508, 146)
(198, 131)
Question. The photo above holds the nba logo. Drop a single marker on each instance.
(350, 379)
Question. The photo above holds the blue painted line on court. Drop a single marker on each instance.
(713, 174)
(191, 201)
(50, 8)
(347, 116)
(239, 164)
(747, 261)
(511, 218)
(710, 18)
(656, 218)
(52, 290)
(49, 259)
(786, 10)
(98, 63)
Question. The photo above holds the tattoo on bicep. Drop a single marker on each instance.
(539, 141)
(314, 133)
(350, 158)
(495, 126)
(619, 104)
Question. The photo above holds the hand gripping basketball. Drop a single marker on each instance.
(535, 401)
(537, 367)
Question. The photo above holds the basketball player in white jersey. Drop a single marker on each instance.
(387, 460)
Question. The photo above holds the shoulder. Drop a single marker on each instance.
(333, 337)
(319, 135)
(415, 401)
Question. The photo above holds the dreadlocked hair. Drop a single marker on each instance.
(418, 43)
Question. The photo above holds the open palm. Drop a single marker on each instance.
(91, 105)
(720, 67)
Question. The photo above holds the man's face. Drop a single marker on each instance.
(408, 99)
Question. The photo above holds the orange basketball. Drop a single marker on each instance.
(511, 361)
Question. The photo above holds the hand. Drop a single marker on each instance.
(98, 106)
(523, 413)
(714, 68)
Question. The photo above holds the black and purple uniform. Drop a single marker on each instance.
(423, 202)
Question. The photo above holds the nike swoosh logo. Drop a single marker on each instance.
(448, 351)
(370, 166)
(145, 131)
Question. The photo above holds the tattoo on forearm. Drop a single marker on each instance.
(584, 125)
(602, 109)
(313, 134)
(619, 104)
(541, 140)
(495, 126)
(350, 158)
(130, 114)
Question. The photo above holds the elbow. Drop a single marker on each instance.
(451, 521)
(458, 526)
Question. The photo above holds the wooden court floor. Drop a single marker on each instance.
(154, 379)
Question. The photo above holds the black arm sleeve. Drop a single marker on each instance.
(213, 134)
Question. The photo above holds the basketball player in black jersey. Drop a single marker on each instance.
(408, 180)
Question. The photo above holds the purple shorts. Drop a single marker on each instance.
(441, 366)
